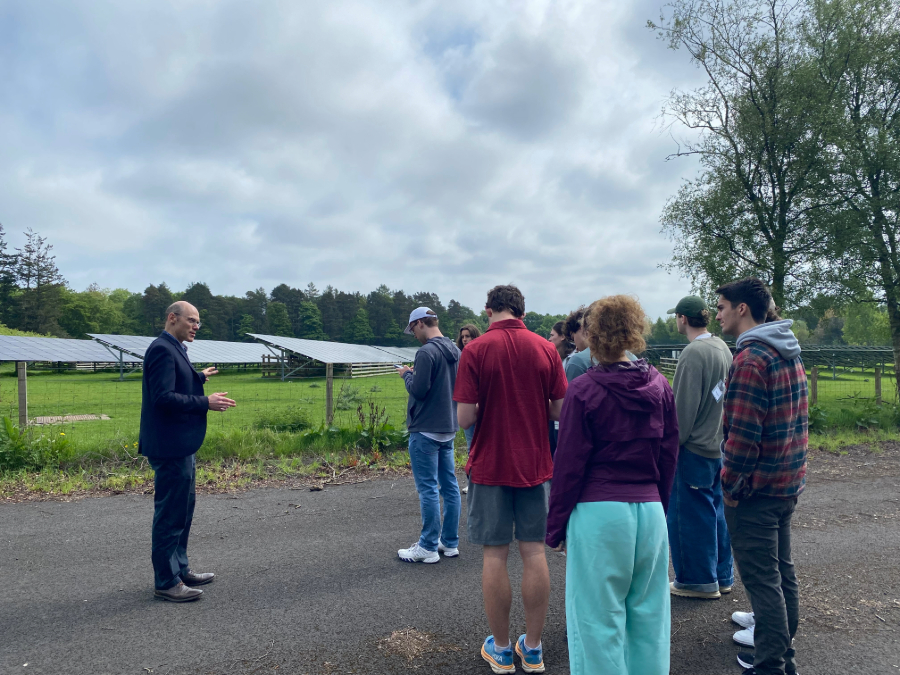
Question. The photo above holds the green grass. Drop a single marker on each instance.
(260, 403)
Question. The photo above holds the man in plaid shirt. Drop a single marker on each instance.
(764, 466)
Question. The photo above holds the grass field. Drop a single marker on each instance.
(263, 400)
(250, 443)
(259, 401)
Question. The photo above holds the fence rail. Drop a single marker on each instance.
(98, 405)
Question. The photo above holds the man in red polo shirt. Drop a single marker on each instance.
(510, 384)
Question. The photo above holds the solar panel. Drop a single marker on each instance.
(330, 352)
(15, 348)
(199, 351)
(404, 354)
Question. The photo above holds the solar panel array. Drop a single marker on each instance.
(338, 352)
(15, 348)
(199, 351)
(405, 354)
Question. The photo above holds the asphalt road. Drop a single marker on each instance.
(309, 582)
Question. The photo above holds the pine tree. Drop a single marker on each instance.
(246, 326)
(359, 331)
(279, 321)
(310, 320)
(42, 286)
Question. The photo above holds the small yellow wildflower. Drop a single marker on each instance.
(61, 433)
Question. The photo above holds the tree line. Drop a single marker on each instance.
(797, 131)
(36, 300)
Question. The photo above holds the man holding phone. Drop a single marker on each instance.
(431, 421)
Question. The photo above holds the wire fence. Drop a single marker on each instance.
(97, 408)
(92, 408)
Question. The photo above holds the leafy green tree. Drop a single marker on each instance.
(155, 301)
(246, 325)
(279, 321)
(801, 331)
(255, 304)
(865, 34)
(380, 307)
(758, 206)
(310, 321)
(866, 324)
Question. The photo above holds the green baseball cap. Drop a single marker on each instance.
(691, 305)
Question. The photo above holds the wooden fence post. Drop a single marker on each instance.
(814, 386)
(329, 393)
(877, 385)
(23, 395)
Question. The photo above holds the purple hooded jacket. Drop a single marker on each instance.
(618, 442)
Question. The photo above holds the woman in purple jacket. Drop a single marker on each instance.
(612, 477)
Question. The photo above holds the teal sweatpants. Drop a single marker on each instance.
(617, 589)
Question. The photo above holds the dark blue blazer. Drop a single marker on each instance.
(173, 408)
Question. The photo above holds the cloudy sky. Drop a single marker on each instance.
(433, 145)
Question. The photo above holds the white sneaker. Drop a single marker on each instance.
(744, 637)
(448, 552)
(743, 619)
(416, 553)
(465, 490)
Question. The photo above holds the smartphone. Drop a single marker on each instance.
(398, 367)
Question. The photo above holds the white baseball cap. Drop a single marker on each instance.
(416, 314)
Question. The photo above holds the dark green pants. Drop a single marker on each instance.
(760, 529)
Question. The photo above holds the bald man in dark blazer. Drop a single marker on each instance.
(173, 426)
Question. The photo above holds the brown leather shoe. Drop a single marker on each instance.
(194, 579)
(178, 593)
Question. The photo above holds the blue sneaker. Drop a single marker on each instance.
(532, 659)
(500, 661)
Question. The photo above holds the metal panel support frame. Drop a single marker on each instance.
(23, 394)
(329, 393)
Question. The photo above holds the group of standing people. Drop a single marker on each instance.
(710, 467)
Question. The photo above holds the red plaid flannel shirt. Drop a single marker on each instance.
(766, 424)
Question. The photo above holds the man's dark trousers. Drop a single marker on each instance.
(173, 499)
(760, 529)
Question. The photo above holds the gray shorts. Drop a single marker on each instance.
(493, 510)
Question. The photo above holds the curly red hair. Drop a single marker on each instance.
(613, 325)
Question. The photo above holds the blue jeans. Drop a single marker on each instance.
(698, 535)
(469, 433)
(434, 471)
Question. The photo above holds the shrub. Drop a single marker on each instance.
(348, 398)
(30, 449)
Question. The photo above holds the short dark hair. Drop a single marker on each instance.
(506, 299)
(753, 293)
(431, 320)
(701, 321)
(573, 323)
(473, 333)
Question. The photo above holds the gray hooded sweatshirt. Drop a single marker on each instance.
(776, 334)
(430, 386)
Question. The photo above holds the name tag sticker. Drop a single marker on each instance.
(719, 390)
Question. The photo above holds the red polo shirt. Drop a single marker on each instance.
(511, 373)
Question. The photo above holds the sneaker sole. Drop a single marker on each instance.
(744, 664)
(451, 554)
(427, 561)
(742, 624)
(496, 667)
(742, 643)
(527, 667)
(684, 593)
(725, 590)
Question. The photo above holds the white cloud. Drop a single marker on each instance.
(428, 146)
